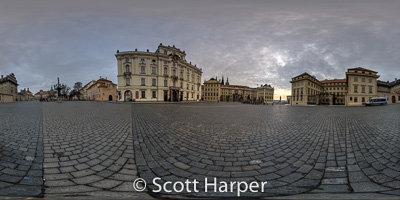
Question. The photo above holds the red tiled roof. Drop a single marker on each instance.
(362, 69)
(334, 81)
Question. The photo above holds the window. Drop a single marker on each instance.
(174, 83)
(174, 72)
(181, 85)
(351, 98)
(363, 89)
(153, 82)
(192, 89)
(362, 79)
(165, 83)
(153, 70)
(142, 59)
(355, 99)
(181, 76)
(165, 71)
(143, 94)
(363, 99)
(355, 79)
(143, 81)
(128, 81)
(355, 88)
(154, 61)
(127, 68)
(154, 94)
(143, 69)
(370, 89)
(370, 80)
(165, 52)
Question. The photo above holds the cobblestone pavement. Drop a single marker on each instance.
(21, 149)
(92, 149)
(296, 149)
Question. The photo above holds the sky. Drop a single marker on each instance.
(252, 42)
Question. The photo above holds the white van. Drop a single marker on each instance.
(376, 101)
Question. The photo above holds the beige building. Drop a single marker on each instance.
(163, 75)
(215, 90)
(83, 91)
(362, 85)
(265, 94)
(212, 90)
(102, 90)
(8, 89)
(359, 86)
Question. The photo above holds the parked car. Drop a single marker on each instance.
(376, 101)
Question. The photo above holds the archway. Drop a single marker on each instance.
(128, 95)
(110, 98)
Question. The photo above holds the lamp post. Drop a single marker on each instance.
(58, 87)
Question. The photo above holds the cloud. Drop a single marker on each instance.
(252, 43)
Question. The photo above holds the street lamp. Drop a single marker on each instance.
(58, 87)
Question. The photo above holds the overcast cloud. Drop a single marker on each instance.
(251, 42)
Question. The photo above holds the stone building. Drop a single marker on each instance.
(102, 90)
(265, 94)
(25, 95)
(83, 91)
(390, 90)
(8, 89)
(215, 90)
(359, 86)
(163, 75)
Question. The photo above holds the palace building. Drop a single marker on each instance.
(163, 75)
(8, 89)
(359, 86)
(102, 90)
(218, 90)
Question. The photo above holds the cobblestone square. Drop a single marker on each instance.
(95, 149)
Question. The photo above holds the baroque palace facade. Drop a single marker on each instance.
(163, 75)
(217, 90)
(359, 86)
(8, 89)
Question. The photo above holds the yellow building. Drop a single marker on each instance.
(362, 85)
(212, 90)
(306, 89)
(359, 87)
(163, 75)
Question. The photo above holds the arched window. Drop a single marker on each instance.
(165, 71)
(127, 68)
